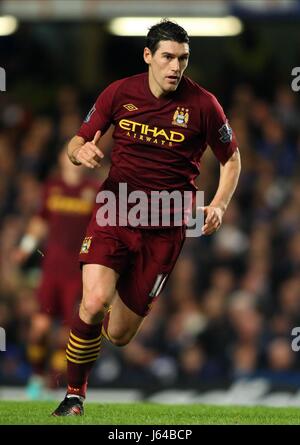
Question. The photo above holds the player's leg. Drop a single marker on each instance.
(70, 292)
(37, 349)
(99, 288)
(120, 324)
(138, 289)
(38, 338)
(57, 368)
(37, 341)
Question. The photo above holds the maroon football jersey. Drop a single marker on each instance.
(158, 143)
(67, 210)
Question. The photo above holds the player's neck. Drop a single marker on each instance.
(155, 87)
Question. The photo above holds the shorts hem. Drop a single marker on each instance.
(145, 313)
(101, 263)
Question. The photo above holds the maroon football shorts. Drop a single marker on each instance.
(59, 295)
(144, 258)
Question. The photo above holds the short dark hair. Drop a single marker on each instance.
(165, 30)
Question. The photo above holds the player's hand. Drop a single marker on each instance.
(89, 154)
(212, 219)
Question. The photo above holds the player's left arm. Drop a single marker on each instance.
(229, 175)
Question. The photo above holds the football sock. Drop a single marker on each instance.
(58, 367)
(82, 351)
(37, 356)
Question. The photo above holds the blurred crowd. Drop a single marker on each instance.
(233, 299)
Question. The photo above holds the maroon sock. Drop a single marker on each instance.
(82, 352)
(37, 356)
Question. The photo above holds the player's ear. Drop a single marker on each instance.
(147, 55)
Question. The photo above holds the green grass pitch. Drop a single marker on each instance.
(38, 413)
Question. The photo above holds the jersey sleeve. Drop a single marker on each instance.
(100, 115)
(220, 137)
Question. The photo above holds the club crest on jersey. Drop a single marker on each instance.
(89, 115)
(86, 244)
(226, 133)
(181, 117)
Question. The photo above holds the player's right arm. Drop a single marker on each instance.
(83, 148)
(86, 153)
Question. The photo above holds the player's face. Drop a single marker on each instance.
(166, 66)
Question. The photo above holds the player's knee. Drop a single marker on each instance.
(96, 302)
